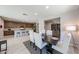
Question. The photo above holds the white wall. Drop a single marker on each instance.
(1, 29)
(71, 18)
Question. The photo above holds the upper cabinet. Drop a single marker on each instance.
(56, 29)
(12, 24)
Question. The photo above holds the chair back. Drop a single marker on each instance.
(48, 35)
(49, 32)
(38, 40)
(42, 32)
(31, 34)
(65, 40)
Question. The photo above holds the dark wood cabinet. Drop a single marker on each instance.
(13, 24)
(6, 33)
(56, 30)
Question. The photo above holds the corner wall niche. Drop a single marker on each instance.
(54, 25)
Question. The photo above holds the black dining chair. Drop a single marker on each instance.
(1, 43)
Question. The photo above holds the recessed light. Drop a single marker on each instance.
(35, 13)
(47, 7)
(24, 14)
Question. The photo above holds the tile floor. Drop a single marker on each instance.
(16, 46)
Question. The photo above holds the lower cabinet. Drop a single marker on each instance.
(6, 33)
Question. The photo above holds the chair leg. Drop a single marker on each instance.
(30, 43)
(5, 52)
(40, 51)
(35, 47)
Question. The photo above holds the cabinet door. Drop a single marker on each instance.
(56, 30)
(53, 27)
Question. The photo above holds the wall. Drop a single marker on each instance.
(71, 18)
(1, 29)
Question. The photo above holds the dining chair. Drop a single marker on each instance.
(3, 46)
(17, 34)
(23, 33)
(63, 44)
(49, 35)
(38, 42)
(31, 34)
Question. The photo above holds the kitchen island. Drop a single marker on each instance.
(20, 33)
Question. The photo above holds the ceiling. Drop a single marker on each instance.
(33, 13)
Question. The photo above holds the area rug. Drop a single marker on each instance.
(32, 50)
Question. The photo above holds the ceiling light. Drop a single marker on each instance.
(36, 14)
(47, 7)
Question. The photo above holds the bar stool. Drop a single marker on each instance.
(23, 33)
(27, 32)
(1, 43)
(18, 34)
